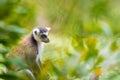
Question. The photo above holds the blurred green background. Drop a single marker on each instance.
(84, 39)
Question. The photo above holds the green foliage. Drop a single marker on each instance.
(6, 6)
(12, 15)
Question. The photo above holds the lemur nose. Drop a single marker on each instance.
(43, 36)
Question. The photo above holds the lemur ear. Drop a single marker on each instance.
(35, 31)
(48, 28)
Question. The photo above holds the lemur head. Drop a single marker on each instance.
(40, 34)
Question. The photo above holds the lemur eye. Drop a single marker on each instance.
(45, 31)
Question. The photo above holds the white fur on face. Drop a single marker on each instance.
(46, 33)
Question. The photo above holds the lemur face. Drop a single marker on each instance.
(41, 34)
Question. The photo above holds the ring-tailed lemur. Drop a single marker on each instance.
(30, 49)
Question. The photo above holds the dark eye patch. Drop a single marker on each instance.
(43, 36)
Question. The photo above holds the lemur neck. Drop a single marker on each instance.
(40, 50)
(40, 47)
